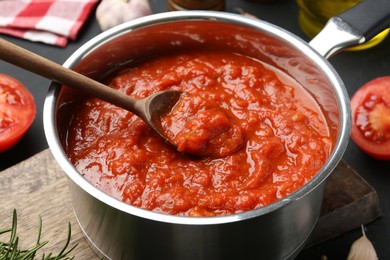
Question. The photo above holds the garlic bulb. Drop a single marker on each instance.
(110, 13)
(362, 249)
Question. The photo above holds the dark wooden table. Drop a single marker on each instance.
(355, 68)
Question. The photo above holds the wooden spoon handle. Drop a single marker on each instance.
(30, 61)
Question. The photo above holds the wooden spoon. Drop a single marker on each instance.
(150, 109)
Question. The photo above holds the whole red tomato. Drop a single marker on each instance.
(17, 111)
(371, 118)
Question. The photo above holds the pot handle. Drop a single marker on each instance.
(353, 27)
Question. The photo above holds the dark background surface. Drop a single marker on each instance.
(355, 68)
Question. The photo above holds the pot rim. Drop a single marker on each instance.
(49, 115)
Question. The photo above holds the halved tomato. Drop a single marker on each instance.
(17, 111)
(371, 118)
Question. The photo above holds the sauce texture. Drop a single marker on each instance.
(265, 135)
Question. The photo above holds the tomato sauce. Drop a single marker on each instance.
(264, 137)
(200, 127)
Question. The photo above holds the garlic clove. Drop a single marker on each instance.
(111, 13)
(362, 249)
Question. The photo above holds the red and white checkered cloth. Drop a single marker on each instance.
(49, 21)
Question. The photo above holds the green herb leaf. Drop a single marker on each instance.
(10, 250)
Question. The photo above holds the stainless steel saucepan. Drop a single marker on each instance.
(117, 230)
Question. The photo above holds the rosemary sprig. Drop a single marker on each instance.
(10, 250)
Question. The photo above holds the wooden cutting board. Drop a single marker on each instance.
(38, 187)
